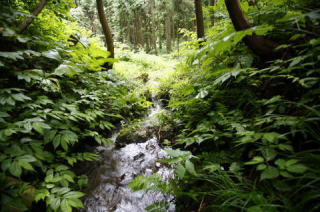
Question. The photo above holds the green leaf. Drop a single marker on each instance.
(41, 194)
(285, 147)
(60, 191)
(177, 152)
(64, 145)
(261, 167)
(281, 163)
(255, 208)
(61, 168)
(83, 181)
(28, 75)
(12, 55)
(235, 167)
(297, 168)
(73, 195)
(54, 202)
(65, 207)
(180, 170)
(49, 178)
(271, 101)
(67, 70)
(20, 97)
(291, 162)
(49, 136)
(269, 173)
(52, 54)
(68, 178)
(190, 167)
(212, 167)
(40, 127)
(26, 165)
(255, 160)
(5, 165)
(14, 150)
(76, 203)
(268, 153)
(56, 141)
(285, 174)
(296, 60)
(271, 137)
(26, 158)
(4, 114)
(15, 169)
(202, 94)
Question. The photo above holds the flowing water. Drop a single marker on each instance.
(109, 181)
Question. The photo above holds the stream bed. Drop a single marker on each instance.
(108, 181)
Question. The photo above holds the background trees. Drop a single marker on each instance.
(152, 25)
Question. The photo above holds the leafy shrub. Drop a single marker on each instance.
(54, 99)
(250, 128)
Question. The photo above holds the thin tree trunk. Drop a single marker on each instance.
(199, 18)
(138, 27)
(258, 44)
(105, 28)
(168, 33)
(35, 13)
(212, 3)
(160, 33)
(153, 26)
(92, 18)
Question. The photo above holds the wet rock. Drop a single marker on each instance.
(133, 133)
(109, 189)
(136, 154)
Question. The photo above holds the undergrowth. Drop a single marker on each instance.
(55, 99)
(248, 128)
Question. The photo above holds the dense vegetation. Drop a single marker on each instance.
(242, 128)
(54, 100)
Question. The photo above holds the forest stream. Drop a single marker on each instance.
(109, 181)
(159, 105)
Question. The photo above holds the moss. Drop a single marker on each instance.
(134, 132)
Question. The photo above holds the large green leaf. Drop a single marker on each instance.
(269, 173)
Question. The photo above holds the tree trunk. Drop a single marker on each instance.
(153, 26)
(139, 33)
(106, 30)
(168, 33)
(35, 13)
(199, 18)
(212, 3)
(92, 16)
(159, 33)
(258, 44)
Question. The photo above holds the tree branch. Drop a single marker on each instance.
(35, 13)
(258, 44)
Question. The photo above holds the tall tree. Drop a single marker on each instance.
(35, 13)
(105, 28)
(168, 29)
(258, 44)
(199, 18)
(212, 3)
